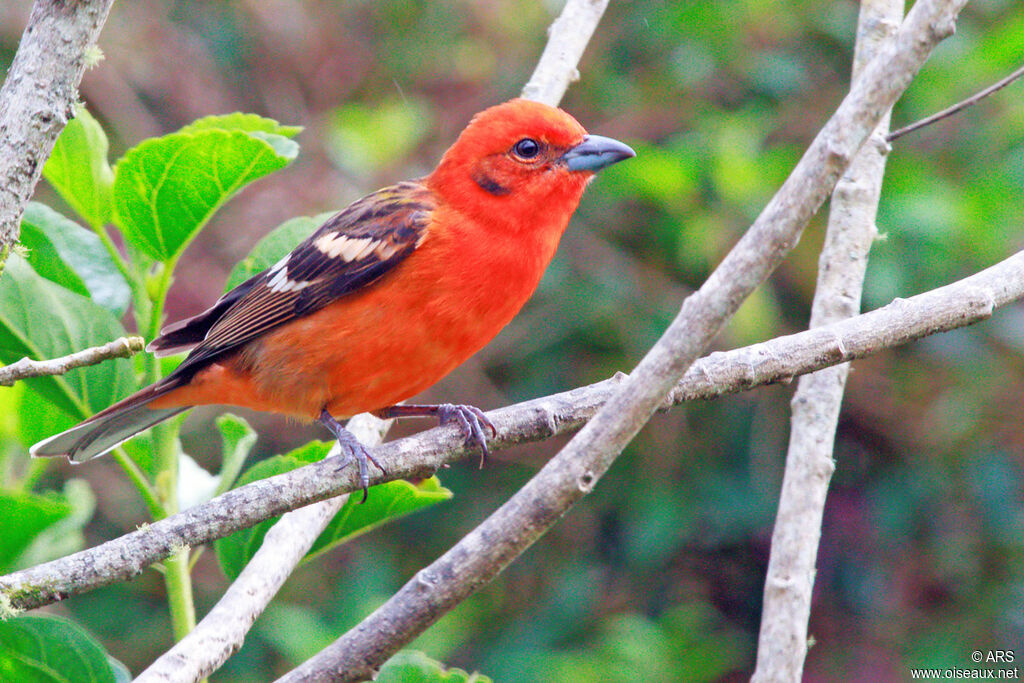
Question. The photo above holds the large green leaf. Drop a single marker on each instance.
(276, 244)
(78, 168)
(234, 551)
(64, 536)
(249, 123)
(413, 665)
(166, 188)
(66, 253)
(41, 320)
(237, 439)
(47, 649)
(37, 418)
(386, 502)
(23, 516)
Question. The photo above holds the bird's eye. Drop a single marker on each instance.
(527, 148)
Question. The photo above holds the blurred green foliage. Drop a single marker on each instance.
(659, 572)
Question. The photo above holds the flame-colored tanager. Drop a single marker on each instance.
(386, 297)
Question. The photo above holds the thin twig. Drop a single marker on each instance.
(222, 631)
(959, 106)
(39, 95)
(124, 347)
(568, 37)
(851, 230)
(779, 360)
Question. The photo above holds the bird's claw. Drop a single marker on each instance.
(471, 421)
(351, 449)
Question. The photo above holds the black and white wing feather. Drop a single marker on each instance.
(353, 249)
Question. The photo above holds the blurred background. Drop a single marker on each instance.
(658, 574)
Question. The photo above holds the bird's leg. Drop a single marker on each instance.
(469, 419)
(351, 447)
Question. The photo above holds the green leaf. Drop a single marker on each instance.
(386, 502)
(238, 439)
(37, 418)
(249, 123)
(78, 168)
(64, 536)
(275, 245)
(66, 253)
(412, 665)
(10, 409)
(166, 188)
(43, 320)
(23, 516)
(234, 551)
(48, 649)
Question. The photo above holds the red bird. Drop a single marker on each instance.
(384, 299)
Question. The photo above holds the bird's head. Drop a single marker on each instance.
(522, 160)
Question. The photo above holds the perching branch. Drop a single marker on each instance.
(38, 97)
(956, 108)
(567, 39)
(488, 549)
(125, 347)
(780, 360)
(222, 631)
(422, 454)
(851, 230)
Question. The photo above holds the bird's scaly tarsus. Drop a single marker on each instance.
(352, 449)
(469, 419)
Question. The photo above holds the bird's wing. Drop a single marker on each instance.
(350, 251)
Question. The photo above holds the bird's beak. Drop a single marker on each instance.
(596, 152)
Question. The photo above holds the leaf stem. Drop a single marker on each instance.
(115, 255)
(177, 576)
(157, 297)
(142, 484)
(179, 592)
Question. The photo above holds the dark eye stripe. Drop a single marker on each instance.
(489, 184)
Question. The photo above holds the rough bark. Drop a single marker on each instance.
(851, 230)
(38, 98)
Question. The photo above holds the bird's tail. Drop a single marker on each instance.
(111, 427)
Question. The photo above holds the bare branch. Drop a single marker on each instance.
(567, 39)
(779, 360)
(488, 549)
(222, 631)
(39, 95)
(842, 265)
(125, 347)
(956, 108)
